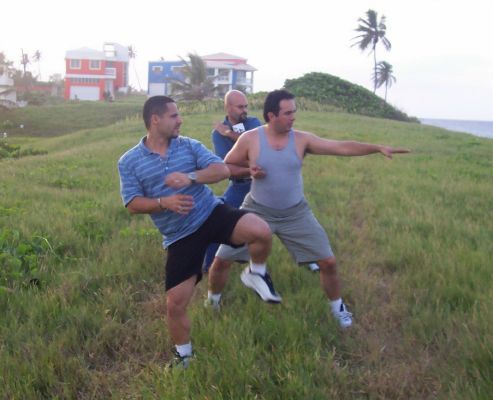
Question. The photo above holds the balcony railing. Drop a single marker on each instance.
(110, 72)
(223, 78)
(244, 81)
(5, 80)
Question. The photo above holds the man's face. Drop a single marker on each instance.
(237, 109)
(170, 122)
(284, 121)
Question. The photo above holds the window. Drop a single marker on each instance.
(223, 75)
(84, 80)
(211, 71)
(94, 64)
(157, 69)
(75, 64)
(178, 70)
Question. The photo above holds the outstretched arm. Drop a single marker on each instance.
(317, 145)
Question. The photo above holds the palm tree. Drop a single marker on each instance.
(5, 65)
(37, 57)
(24, 61)
(26, 79)
(195, 84)
(384, 76)
(372, 31)
(132, 54)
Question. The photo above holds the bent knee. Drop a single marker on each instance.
(328, 264)
(260, 228)
(220, 263)
(251, 227)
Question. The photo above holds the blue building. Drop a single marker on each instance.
(230, 72)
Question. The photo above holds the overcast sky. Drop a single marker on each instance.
(441, 54)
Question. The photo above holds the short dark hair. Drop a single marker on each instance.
(273, 100)
(155, 105)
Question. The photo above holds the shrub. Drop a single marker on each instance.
(20, 258)
(14, 151)
(355, 99)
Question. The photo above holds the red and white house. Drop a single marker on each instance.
(92, 73)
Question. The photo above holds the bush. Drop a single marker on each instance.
(15, 151)
(20, 258)
(355, 99)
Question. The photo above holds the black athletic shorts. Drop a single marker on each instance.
(186, 256)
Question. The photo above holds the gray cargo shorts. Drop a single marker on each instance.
(296, 227)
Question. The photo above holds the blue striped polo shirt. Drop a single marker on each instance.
(142, 174)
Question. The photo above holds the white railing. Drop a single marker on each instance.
(6, 81)
(244, 81)
(225, 79)
(110, 72)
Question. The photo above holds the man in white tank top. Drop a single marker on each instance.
(273, 155)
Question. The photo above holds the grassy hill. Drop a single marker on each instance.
(344, 95)
(82, 300)
(66, 117)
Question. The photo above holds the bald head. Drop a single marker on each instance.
(234, 96)
(236, 106)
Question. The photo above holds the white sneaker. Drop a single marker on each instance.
(343, 316)
(262, 284)
(213, 305)
(313, 267)
(180, 362)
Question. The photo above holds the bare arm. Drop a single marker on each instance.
(238, 171)
(213, 173)
(226, 131)
(237, 158)
(178, 203)
(317, 145)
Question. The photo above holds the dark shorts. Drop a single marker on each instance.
(185, 256)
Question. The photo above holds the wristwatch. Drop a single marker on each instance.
(192, 176)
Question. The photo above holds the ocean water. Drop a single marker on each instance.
(477, 128)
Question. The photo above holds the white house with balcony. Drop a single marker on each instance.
(8, 96)
(230, 72)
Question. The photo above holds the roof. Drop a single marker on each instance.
(222, 56)
(85, 53)
(226, 65)
(112, 52)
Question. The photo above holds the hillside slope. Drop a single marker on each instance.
(81, 280)
(355, 99)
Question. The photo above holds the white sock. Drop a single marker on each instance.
(336, 305)
(260, 269)
(215, 297)
(184, 349)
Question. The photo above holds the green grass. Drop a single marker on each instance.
(59, 119)
(413, 237)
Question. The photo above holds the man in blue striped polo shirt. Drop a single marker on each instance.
(164, 176)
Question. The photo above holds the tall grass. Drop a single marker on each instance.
(413, 237)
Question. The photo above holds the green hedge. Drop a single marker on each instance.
(355, 99)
